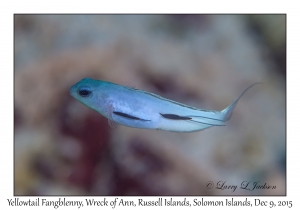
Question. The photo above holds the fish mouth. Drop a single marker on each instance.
(73, 90)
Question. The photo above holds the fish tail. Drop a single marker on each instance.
(227, 112)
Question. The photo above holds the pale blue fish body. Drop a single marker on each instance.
(140, 109)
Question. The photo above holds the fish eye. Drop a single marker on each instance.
(84, 91)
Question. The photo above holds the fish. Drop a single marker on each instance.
(137, 108)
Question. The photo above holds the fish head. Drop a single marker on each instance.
(88, 92)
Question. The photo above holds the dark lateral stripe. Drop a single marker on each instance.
(128, 116)
(175, 117)
(207, 118)
(206, 123)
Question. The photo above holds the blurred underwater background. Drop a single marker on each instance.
(62, 147)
